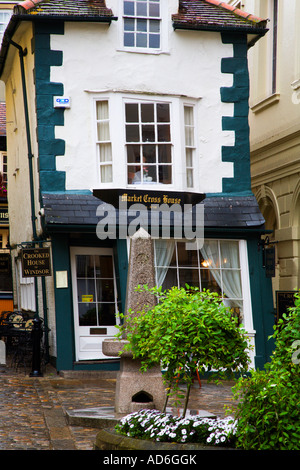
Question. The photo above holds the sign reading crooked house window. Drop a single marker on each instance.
(36, 262)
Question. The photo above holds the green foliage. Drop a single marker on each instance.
(268, 413)
(187, 330)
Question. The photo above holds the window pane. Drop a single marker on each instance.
(133, 154)
(164, 154)
(154, 26)
(189, 157)
(104, 266)
(85, 287)
(141, 9)
(106, 314)
(134, 174)
(165, 174)
(154, 9)
(188, 116)
(189, 136)
(148, 133)
(105, 153)
(186, 257)
(163, 112)
(189, 178)
(129, 8)
(103, 131)
(149, 153)
(132, 133)
(129, 24)
(84, 266)
(106, 174)
(141, 25)
(189, 277)
(132, 112)
(141, 40)
(87, 314)
(229, 254)
(129, 39)
(105, 290)
(102, 110)
(163, 133)
(147, 112)
(154, 41)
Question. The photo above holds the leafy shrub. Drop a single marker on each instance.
(187, 330)
(268, 413)
(157, 426)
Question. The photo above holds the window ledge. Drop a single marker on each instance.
(265, 103)
(142, 50)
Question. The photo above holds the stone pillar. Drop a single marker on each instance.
(134, 389)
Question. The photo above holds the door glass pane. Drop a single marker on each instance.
(105, 290)
(104, 267)
(106, 314)
(87, 314)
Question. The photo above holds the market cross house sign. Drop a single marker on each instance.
(36, 262)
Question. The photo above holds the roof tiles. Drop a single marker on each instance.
(85, 8)
(214, 13)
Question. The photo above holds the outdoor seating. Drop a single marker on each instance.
(16, 330)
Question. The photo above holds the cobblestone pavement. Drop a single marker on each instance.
(33, 409)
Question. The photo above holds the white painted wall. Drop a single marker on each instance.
(190, 65)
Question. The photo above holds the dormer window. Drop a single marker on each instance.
(142, 24)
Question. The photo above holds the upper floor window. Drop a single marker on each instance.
(143, 141)
(142, 24)
(148, 142)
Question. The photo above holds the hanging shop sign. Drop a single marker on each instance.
(36, 262)
(284, 300)
(270, 261)
(3, 215)
(147, 197)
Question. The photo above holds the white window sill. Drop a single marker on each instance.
(141, 50)
(265, 103)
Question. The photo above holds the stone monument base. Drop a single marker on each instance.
(135, 390)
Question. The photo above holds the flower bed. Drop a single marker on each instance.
(161, 427)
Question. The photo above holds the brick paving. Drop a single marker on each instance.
(33, 409)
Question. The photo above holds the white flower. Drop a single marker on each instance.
(183, 431)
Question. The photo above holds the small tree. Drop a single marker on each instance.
(268, 411)
(186, 331)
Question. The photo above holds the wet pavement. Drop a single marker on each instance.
(34, 410)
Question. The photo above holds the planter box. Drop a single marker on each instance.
(109, 440)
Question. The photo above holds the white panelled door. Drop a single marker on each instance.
(94, 299)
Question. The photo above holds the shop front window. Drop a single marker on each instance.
(215, 267)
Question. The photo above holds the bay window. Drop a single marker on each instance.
(146, 142)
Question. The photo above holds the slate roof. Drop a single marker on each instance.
(63, 210)
(215, 14)
(62, 8)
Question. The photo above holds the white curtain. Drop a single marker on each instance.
(225, 255)
(163, 254)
